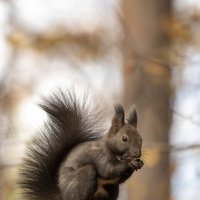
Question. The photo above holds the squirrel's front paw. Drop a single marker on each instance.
(135, 164)
(139, 164)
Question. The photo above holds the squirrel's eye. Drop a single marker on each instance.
(124, 138)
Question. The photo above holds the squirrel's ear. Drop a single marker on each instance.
(132, 119)
(118, 120)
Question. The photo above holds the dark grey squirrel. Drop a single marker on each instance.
(71, 158)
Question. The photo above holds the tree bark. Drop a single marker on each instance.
(147, 84)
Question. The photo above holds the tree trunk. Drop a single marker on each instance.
(147, 84)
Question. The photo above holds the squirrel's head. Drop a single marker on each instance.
(123, 138)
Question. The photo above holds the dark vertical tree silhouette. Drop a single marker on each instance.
(147, 84)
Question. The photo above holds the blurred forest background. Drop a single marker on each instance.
(130, 51)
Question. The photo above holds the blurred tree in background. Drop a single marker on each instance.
(147, 76)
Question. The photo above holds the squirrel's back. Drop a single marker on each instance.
(70, 122)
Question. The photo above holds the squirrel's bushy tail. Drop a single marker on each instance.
(70, 122)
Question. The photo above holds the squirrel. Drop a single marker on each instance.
(71, 159)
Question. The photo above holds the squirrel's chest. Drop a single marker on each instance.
(101, 191)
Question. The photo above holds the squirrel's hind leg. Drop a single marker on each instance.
(78, 184)
(112, 190)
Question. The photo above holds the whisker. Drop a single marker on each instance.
(145, 153)
(145, 163)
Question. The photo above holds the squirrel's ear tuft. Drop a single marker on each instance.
(119, 111)
(118, 120)
(132, 119)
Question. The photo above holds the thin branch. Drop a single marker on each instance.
(151, 59)
(188, 118)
